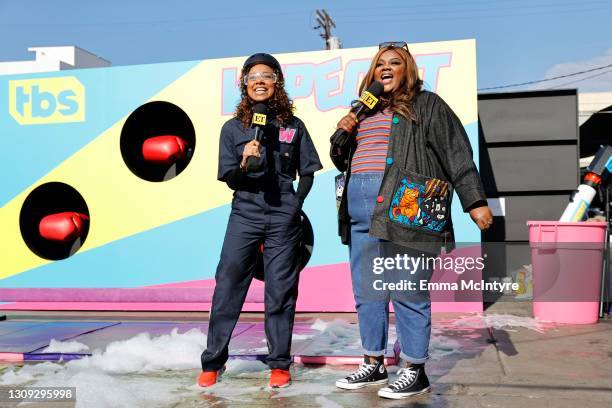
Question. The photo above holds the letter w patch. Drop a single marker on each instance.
(286, 135)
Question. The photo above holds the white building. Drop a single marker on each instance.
(49, 59)
(590, 103)
(595, 120)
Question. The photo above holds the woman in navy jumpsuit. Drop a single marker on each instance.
(265, 210)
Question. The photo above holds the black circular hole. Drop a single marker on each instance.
(152, 120)
(52, 199)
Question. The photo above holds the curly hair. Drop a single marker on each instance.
(279, 104)
(401, 100)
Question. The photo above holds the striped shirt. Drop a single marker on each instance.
(372, 143)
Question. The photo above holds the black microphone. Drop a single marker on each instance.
(366, 102)
(259, 121)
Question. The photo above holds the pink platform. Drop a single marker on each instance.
(11, 357)
(335, 360)
(325, 288)
(566, 259)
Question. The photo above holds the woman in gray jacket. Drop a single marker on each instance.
(402, 165)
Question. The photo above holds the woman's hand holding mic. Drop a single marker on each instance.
(250, 149)
(348, 123)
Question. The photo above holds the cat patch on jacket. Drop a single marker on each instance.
(420, 205)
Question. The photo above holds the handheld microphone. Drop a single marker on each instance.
(259, 121)
(366, 102)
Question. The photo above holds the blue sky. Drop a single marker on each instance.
(517, 40)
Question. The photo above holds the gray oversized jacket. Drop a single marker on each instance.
(426, 161)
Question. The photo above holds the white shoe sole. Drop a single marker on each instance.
(349, 386)
(397, 395)
(279, 387)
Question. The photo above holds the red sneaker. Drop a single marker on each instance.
(208, 378)
(280, 378)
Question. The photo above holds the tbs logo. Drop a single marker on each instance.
(47, 100)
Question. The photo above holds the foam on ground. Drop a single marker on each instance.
(147, 371)
(326, 403)
(67, 347)
(143, 371)
(336, 336)
(502, 321)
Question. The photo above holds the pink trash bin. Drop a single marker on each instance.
(566, 263)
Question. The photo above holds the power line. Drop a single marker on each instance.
(429, 10)
(546, 79)
(477, 18)
(581, 79)
(478, 4)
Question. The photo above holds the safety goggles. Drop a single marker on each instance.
(268, 77)
(393, 44)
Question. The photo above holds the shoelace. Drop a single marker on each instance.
(407, 375)
(364, 370)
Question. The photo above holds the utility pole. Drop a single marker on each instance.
(326, 23)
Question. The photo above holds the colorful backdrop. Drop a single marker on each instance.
(67, 127)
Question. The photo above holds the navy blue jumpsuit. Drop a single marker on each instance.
(264, 210)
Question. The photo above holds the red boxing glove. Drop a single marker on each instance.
(165, 149)
(63, 227)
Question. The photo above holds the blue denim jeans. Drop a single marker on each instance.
(412, 313)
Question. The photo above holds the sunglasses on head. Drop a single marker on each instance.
(393, 44)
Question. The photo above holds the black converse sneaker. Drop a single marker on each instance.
(368, 374)
(412, 381)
